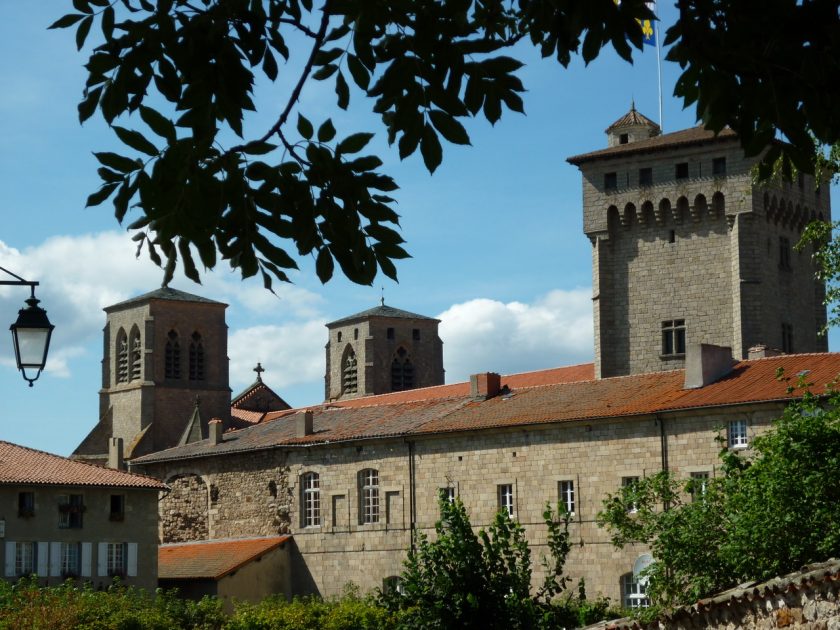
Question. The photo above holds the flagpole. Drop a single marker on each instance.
(659, 70)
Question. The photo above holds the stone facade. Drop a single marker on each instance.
(382, 350)
(681, 234)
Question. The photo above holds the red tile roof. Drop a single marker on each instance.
(630, 119)
(548, 396)
(23, 465)
(212, 559)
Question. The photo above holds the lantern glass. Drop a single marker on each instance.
(31, 336)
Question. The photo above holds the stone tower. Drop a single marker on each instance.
(381, 350)
(164, 373)
(686, 249)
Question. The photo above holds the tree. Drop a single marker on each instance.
(187, 67)
(770, 512)
(466, 580)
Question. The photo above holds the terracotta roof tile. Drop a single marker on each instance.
(212, 559)
(694, 135)
(630, 119)
(23, 465)
(533, 398)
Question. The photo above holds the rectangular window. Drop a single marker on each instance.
(447, 494)
(24, 558)
(719, 166)
(610, 181)
(673, 337)
(71, 507)
(117, 512)
(784, 253)
(787, 338)
(26, 504)
(634, 592)
(737, 434)
(389, 333)
(629, 482)
(369, 490)
(699, 483)
(566, 492)
(70, 560)
(116, 559)
(623, 138)
(311, 499)
(505, 493)
(415, 334)
(645, 176)
(681, 170)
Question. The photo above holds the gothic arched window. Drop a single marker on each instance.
(136, 369)
(196, 358)
(172, 356)
(349, 373)
(402, 371)
(122, 357)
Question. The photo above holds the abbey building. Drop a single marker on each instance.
(698, 299)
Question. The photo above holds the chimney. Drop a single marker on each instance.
(115, 454)
(706, 363)
(216, 429)
(762, 351)
(303, 423)
(484, 385)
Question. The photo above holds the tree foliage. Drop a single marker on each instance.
(188, 68)
(772, 510)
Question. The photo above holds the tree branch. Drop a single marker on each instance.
(300, 26)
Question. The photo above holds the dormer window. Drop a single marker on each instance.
(623, 138)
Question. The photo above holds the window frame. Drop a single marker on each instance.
(447, 493)
(506, 498)
(26, 558)
(611, 181)
(737, 436)
(369, 491)
(566, 495)
(646, 176)
(719, 166)
(71, 509)
(26, 504)
(71, 559)
(310, 499)
(119, 513)
(117, 559)
(674, 337)
(626, 482)
(633, 592)
(699, 484)
(681, 171)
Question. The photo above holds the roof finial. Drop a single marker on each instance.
(632, 104)
(382, 299)
(259, 370)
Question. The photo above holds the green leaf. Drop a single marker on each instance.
(304, 127)
(258, 147)
(108, 23)
(326, 131)
(158, 123)
(325, 72)
(88, 106)
(82, 31)
(449, 128)
(117, 162)
(342, 91)
(269, 65)
(324, 265)
(101, 195)
(66, 20)
(358, 71)
(186, 258)
(83, 6)
(430, 148)
(135, 140)
(353, 143)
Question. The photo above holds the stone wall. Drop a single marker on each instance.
(183, 510)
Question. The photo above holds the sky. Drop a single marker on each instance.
(498, 251)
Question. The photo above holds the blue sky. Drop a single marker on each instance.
(495, 234)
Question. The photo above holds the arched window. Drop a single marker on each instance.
(349, 373)
(310, 500)
(196, 358)
(122, 357)
(136, 370)
(172, 356)
(369, 496)
(402, 371)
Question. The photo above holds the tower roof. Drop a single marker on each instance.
(164, 293)
(381, 311)
(631, 119)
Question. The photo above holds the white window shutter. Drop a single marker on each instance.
(43, 558)
(102, 559)
(87, 549)
(55, 559)
(11, 548)
(131, 560)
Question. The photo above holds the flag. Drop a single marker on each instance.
(648, 31)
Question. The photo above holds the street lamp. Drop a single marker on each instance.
(30, 333)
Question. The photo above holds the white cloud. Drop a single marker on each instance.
(485, 335)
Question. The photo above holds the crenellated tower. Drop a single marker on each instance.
(686, 248)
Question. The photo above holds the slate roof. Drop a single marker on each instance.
(22, 465)
(381, 311)
(212, 559)
(545, 397)
(164, 293)
(686, 137)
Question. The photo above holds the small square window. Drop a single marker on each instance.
(610, 181)
(566, 492)
(719, 166)
(737, 434)
(681, 170)
(673, 337)
(390, 333)
(415, 334)
(645, 176)
(117, 507)
(699, 484)
(623, 138)
(26, 504)
(505, 492)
